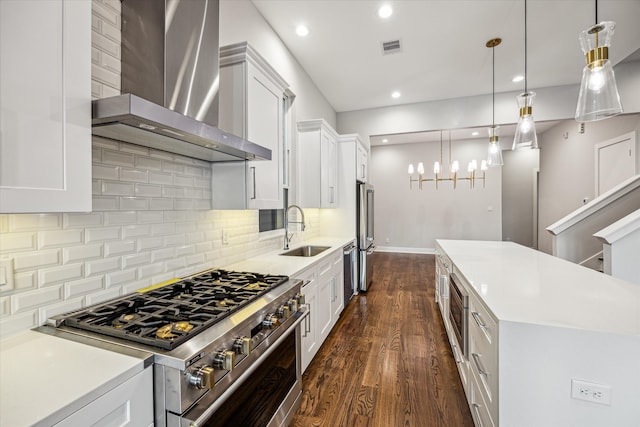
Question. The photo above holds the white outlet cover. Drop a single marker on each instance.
(591, 392)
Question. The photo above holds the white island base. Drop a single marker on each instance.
(550, 344)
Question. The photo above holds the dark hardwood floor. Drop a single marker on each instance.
(387, 362)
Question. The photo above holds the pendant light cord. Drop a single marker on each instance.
(596, 12)
(525, 47)
(493, 89)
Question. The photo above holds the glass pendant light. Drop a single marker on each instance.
(525, 135)
(494, 157)
(495, 151)
(599, 98)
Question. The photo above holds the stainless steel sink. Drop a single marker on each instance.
(306, 251)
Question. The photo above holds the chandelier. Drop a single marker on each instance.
(453, 174)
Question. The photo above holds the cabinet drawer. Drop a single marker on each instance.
(482, 323)
(461, 363)
(479, 410)
(483, 361)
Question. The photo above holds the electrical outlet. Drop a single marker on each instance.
(225, 237)
(591, 392)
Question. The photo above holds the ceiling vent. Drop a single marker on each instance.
(392, 46)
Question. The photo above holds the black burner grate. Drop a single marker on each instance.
(168, 316)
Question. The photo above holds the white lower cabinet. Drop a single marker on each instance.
(478, 406)
(479, 369)
(483, 354)
(324, 293)
(337, 288)
(309, 342)
(129, 404)
(324, 300)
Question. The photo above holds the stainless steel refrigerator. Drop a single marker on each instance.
(365, 236)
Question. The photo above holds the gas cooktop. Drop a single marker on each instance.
(168, 316)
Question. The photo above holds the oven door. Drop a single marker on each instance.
(267, 394)
(458, 308)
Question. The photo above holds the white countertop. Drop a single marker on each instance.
(274, 263)
(520, 284)
(44, 378)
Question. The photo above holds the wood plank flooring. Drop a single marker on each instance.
(387, 362)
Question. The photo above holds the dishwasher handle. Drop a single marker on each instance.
(349, 249)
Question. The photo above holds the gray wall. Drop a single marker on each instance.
(567, 168)
(518, 195)
(411, 220)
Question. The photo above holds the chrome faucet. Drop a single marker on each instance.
(288, 238)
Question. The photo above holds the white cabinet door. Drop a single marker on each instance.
(337, 291)
(264, 127)
(324, 311)
(254, 104)
(328, 171)
(362, 163)
(129, 404)
(309, 342)
(317, 164)
(45, 106)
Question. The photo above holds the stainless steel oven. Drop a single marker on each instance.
(458, 312)
(267, 394)
(226, 345)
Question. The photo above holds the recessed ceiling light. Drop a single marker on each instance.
(395, 94)
(384, 141)
(517, 79)
(302, 30)
(475, 133)
(385, 11)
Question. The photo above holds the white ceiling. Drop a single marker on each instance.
(443, 45)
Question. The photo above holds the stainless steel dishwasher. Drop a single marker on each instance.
(350, 272)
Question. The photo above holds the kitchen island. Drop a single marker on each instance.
(550, 343)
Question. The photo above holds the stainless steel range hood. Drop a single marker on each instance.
(170, 81)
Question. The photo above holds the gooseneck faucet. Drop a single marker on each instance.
(288, 238)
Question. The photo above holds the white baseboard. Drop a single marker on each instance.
(405, 250)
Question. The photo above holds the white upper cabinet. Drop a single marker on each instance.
(362, 162)
(254, 103)
(317, 164)
(45, 106)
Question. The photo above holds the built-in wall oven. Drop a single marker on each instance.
(458, 312)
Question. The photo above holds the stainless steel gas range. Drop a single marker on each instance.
(225, 344)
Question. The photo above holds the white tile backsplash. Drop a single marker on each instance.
(80, 287)
(64, 273)
(35, 259)
(17, 242)
(58, 238)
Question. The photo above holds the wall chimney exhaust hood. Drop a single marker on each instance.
(170, 81)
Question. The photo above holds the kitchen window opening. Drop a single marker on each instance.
(273, 219)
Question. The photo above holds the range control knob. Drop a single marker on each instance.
(202, 377)
(293, 305)
(270, 321)
(284, 312)
(243, 345)
(224, 359)
(300, 298)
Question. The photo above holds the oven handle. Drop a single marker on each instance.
(221, 399)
